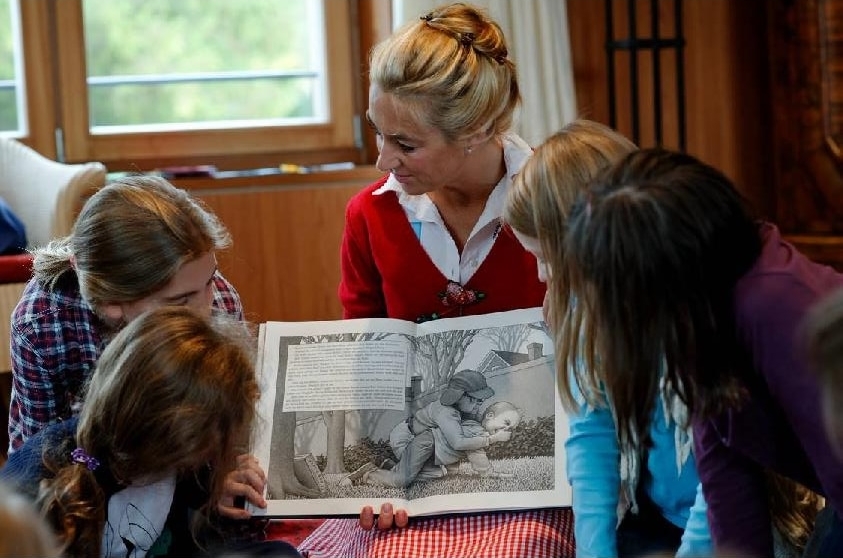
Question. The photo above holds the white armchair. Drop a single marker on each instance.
(47, 196)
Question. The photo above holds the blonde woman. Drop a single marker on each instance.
(426, 241)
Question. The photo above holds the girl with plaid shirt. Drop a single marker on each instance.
(138, 243)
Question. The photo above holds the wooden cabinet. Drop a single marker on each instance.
(806, 51)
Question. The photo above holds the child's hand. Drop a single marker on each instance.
(246, 482)
(500, 436)
(386, 519)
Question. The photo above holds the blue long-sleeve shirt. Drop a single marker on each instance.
(593, 463)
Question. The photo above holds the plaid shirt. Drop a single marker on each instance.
(56, 340)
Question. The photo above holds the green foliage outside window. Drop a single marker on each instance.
(8, 106)
(140, 37)
(187, 38)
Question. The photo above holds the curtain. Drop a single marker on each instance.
(537, 35)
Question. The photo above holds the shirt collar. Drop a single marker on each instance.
(515, 153)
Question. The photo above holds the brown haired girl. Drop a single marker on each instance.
(153, 463)
(138, 243)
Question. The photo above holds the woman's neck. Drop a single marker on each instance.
(461, 205)
(484, 168)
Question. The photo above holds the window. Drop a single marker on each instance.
(192, 70)
(144, 83)
(11, 98)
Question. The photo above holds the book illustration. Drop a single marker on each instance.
(415, 414)
(308, 472)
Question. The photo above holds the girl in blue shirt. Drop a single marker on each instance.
(626, 501)
(636, 489)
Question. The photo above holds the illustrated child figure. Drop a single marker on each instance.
(497, 417)
(500, 415)
(440, 423)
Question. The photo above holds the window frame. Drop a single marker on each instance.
(57, 110)
(38, 67)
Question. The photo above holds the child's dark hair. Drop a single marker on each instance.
(653, 250)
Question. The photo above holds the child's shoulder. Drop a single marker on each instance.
(437, 409)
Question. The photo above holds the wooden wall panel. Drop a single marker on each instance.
(727, 96)
(763, 97)
(806, 48)
(287, 232)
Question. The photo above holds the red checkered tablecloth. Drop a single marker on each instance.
(293, 531)
(542, 533)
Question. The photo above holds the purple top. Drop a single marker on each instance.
(780, 427)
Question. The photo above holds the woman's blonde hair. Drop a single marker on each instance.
(130, 239)
(541, 198)
(451, 68)
(173, 392)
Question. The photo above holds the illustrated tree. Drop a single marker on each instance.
(541, 326)
(438, 355)
(508, 338)
(284, 453)
(335, 419)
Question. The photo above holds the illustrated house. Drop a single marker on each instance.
(497, 360)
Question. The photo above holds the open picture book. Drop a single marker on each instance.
(451, 415)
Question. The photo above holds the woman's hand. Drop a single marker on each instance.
(246, 482)
(386, 519)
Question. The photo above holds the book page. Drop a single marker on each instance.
(354, 413)
(336, 374)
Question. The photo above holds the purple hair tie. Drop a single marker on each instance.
(80, 456)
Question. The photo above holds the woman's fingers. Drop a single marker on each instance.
(386, 519)
(367, 518)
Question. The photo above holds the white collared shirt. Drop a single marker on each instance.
(434, 236)
(136, 517)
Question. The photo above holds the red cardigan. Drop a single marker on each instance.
(387, 273)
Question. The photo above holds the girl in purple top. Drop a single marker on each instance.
(664, 253)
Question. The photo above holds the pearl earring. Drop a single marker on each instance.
(468, 150)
